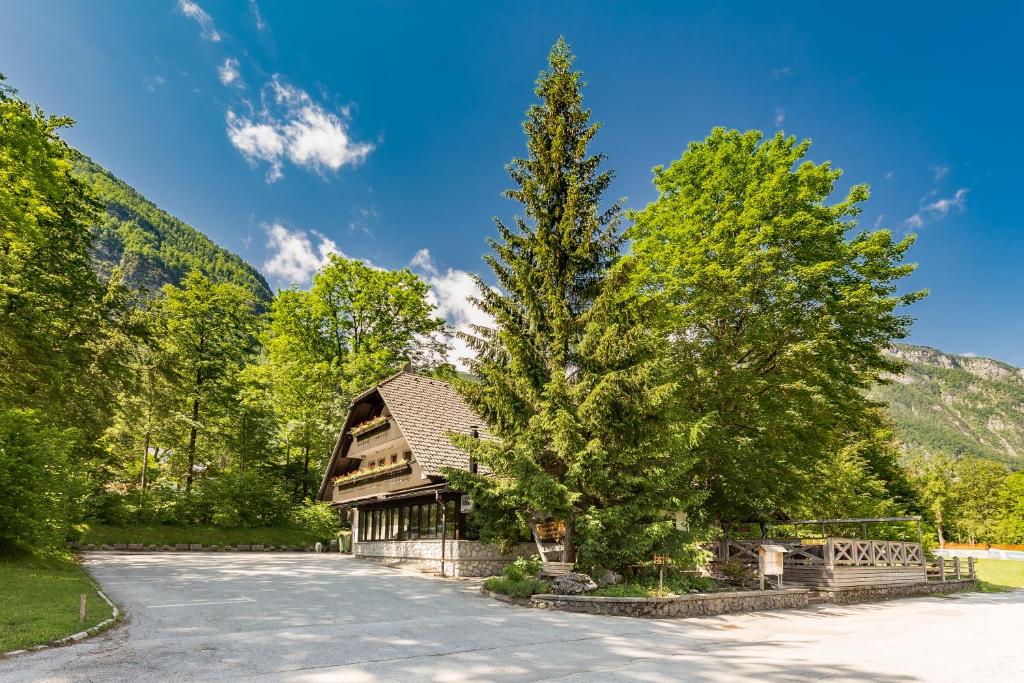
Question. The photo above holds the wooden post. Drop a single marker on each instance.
(956, 567)
(81, 608)
(864, 530)
(829, 553)
(970, 567)
(661, 580)
(942, 569)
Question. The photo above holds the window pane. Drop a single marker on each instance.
(433, 521)
(394, 523)
(414, 527)
(450, 518)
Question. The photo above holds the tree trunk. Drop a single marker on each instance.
(192, 445)
(938, 527)
(145, 461)
(305, 470)
(568, 547)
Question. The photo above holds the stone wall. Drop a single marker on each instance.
(462, 558)
(873, 593)
(695, 605)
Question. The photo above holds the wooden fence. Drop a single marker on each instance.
(951, 569)
(831, 552)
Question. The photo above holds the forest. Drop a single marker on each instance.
(711, 353)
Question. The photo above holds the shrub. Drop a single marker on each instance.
(516, 589)
(739, 574)
(317, 517)
(522, 569)
(34, 486)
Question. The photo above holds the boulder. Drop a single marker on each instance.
(136, 546)
(257, 547)
(572, 583)
(214, 548)
(153, 548)
(195, 546)
(242, 547)
(120, 546)
(104, 547)
(166, 548)
(606, 577)
(91, 546)
(181, 546)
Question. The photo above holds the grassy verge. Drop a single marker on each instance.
(39, 600)
(996, 576)
(161, 534)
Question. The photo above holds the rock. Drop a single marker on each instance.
(104, 547)
(181, 546)
(165, 548)
(572, 583)
(257, 547)
(242, 547)
(136, 546)
(214, 548)
(153, 548)
(91, 546)
(606, 577)
(120, 546)
(195, 546)
(297, 548)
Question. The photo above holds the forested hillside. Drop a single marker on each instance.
(957, 405)
(153, 247)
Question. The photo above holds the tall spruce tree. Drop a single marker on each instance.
(573, 393)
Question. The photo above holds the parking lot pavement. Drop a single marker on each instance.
(328, 617)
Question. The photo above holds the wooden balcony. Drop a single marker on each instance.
(374, 438)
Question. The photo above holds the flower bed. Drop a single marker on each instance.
(368, 426)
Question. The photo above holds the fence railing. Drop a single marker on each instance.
(951, 569)
(831, 552)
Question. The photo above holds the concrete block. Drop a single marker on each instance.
(241, 547)
(181, 546)
(195, 546)
(258, 547)
(136, 546)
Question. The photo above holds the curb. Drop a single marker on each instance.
(115, 616)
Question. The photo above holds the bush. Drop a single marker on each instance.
(34, 484)
(739, 574)
(317, 517)
(516, 589)
(522, 569)
(244, 498)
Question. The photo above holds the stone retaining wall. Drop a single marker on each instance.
(695, 605)
(462, 558)
(191, 547)
(873, 593)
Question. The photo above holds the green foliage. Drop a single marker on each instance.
(521, 589)
(151, 247)
(316, 517)
(570, 384)
(33, 461)
(40, 600)
(1011, 527)
(739, 574)
(522, 569)
(775, 319)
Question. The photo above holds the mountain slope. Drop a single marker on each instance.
(959, 405)
(153, 247)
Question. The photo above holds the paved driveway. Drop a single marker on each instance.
(331, 618)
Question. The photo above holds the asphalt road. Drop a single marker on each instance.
(304, 617)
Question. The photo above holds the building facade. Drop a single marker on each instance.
(386, 473)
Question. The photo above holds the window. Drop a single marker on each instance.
(407, 456)
(408, 522)
(394, 459)
(380, 463)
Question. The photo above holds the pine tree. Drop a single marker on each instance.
(572, 391)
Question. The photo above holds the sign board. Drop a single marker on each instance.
(662, 559)
(465, 503)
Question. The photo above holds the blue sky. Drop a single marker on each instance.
(380, 130)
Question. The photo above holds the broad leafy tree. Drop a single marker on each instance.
(775, 307)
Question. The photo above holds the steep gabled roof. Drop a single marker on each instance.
(426, 411)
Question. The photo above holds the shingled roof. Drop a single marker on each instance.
(427, 410)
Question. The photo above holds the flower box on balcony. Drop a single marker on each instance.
(371, 425)
(369, 473)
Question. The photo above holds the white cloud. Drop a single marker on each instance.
(450, 291)
(782, 72)
(228, 71)
(938, 209)
(780, 116)
(292, 256)
(153, 82)
(260, 24)
(889, 175)
(939, 172)
(292, 126)
(199, 15)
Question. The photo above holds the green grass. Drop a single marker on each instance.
(161, 534)
(648, 587)
(996, 576)
(39, 600)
